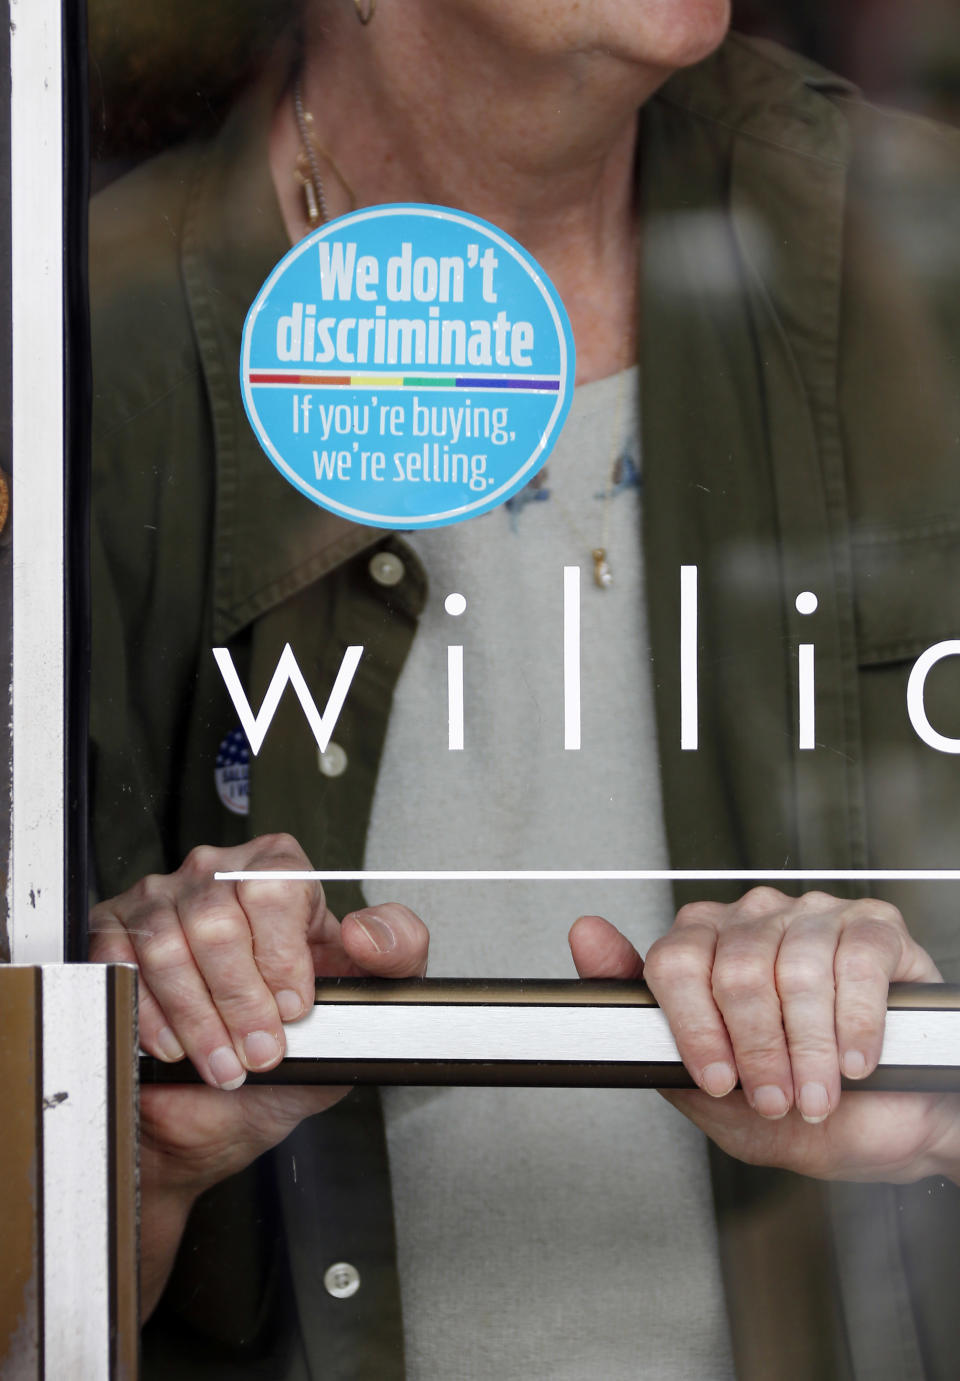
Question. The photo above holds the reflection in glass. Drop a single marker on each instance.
(761, 274)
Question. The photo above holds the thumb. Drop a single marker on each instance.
(600, 951)
(386, 941)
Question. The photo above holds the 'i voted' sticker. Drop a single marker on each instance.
(407, 366)
(232, 773)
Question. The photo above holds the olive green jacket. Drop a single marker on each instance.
(801, 431)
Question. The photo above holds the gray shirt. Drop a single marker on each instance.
(542, 1233)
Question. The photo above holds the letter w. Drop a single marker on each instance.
(322, 725)
(336, 270)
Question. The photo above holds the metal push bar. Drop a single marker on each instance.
(551, 1033)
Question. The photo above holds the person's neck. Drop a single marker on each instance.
(542, 147)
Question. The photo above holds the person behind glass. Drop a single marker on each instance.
(528, 117)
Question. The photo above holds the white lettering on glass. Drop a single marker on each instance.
(571, 657)
(915, 689)
(255, 726)
(689, 715)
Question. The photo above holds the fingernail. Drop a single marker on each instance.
(770, 1101)
(814, 1102)
(168, 1047)
(854, 1064)
(379, 934)
(260, 1049)
(226, 1068)
(289, 1004)
(718, 1079)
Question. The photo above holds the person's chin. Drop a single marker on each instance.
(680, 33)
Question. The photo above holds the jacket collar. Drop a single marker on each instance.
(758, 90)
(745, 196)
(268, 541)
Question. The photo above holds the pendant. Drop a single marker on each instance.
(310, 200)
(313, 207)
(601, 571)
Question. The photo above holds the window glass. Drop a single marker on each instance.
(585, 549)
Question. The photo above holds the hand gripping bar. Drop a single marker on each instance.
(559, 1033)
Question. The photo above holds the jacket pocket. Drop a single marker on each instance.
(907, 590)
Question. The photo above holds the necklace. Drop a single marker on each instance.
(602, 574)
(307, 166)
(621, 475)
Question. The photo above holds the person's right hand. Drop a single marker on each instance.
(222, 965)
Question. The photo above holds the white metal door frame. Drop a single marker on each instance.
(37, 864)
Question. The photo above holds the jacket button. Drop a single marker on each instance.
(332, 763)
(386, 568)
(341, 1280)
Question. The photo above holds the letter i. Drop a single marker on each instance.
(455, 605)
(309, 332)
(296, 413)
(689, 711)
(806, 604)
(571, 657)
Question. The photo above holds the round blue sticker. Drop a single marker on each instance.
(407, 366)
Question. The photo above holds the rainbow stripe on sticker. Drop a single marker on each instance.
(405, 381)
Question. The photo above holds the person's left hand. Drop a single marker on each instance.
(783, 994)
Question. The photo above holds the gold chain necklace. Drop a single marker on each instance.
(307, 166)
(602, 574)
(600, 554)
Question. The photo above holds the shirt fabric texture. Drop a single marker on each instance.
(589, 1211)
